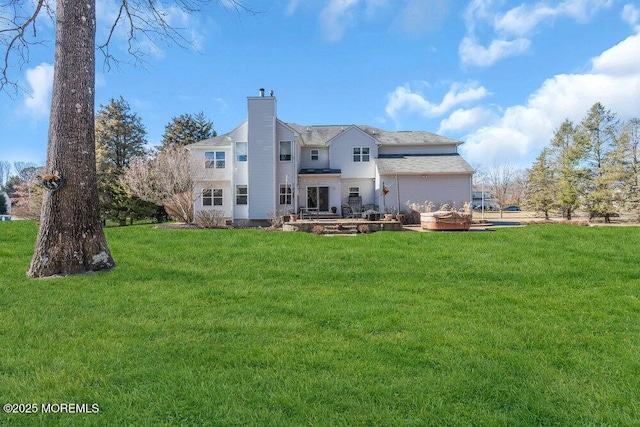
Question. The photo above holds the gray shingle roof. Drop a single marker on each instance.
(216, 141)
(416, 165)
(321, 135)
(317, 136)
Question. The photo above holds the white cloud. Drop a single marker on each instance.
(631, 15)
(462, 119)
(523, 130)
(582, 10)
(292, 5)
(622, 59)
(40, 80)
(411, 17)
(513, 29)
(337, 15)
(525, 18)
(404, 100)
(419, 16)
(472, 53)
(522, 20)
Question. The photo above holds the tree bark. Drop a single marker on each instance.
(70, 238)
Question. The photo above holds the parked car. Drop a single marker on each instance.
(512, 208)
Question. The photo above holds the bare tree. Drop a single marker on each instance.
(5, 172)
(501, 179)
(70, 238)
(26, 171)
(165, 179)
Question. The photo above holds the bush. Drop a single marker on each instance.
(278, 217)
(210, 219)
(364, 229)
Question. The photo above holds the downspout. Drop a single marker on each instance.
(233, 187)
(398, 192)
(294, 176)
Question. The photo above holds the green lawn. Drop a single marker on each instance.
(524, 326)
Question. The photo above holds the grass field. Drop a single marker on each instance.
(524, 326)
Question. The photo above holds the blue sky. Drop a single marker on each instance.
(500, 75)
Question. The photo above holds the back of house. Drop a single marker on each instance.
(266, 167)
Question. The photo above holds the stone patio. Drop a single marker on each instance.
(341, 226)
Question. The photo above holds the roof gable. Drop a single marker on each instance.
(352, 129)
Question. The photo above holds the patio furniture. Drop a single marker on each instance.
(355, 204)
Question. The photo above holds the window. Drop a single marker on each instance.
(241, 151)
(285, 194)
(241, 194)
(354, 191)
(361, 154)
(217, 197)
(315, 154)
(212, 197)
(207, 198)
(285, 150)
(214, 159)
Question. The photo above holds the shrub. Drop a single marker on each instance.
(210, 219)
(364, 229)
(415, 209)
(277, 218)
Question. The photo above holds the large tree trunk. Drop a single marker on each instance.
(70, 239)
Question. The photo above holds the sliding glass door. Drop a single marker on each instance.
(318, 197)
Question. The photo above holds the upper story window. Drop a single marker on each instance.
(241, 151)
(315, 154)
(360, 154)
(285, 150)
(241, 194)
(214, 159)
(212, 197)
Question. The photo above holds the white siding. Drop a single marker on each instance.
(286, 171)
(227, 197)
(367, 190)
(438, 189)
(341, 154)
(240, 172)
(201, 173)
(332, 182)
(262, 152)
(321, 163)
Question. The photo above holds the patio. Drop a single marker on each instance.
(341, 225)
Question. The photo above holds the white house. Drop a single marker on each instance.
(266, 166)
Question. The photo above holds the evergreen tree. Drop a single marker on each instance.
(540, 190)
(187, 129)
(597, 134)
(629, 145)
(566, 155)
(3, 203)
(120, 138)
